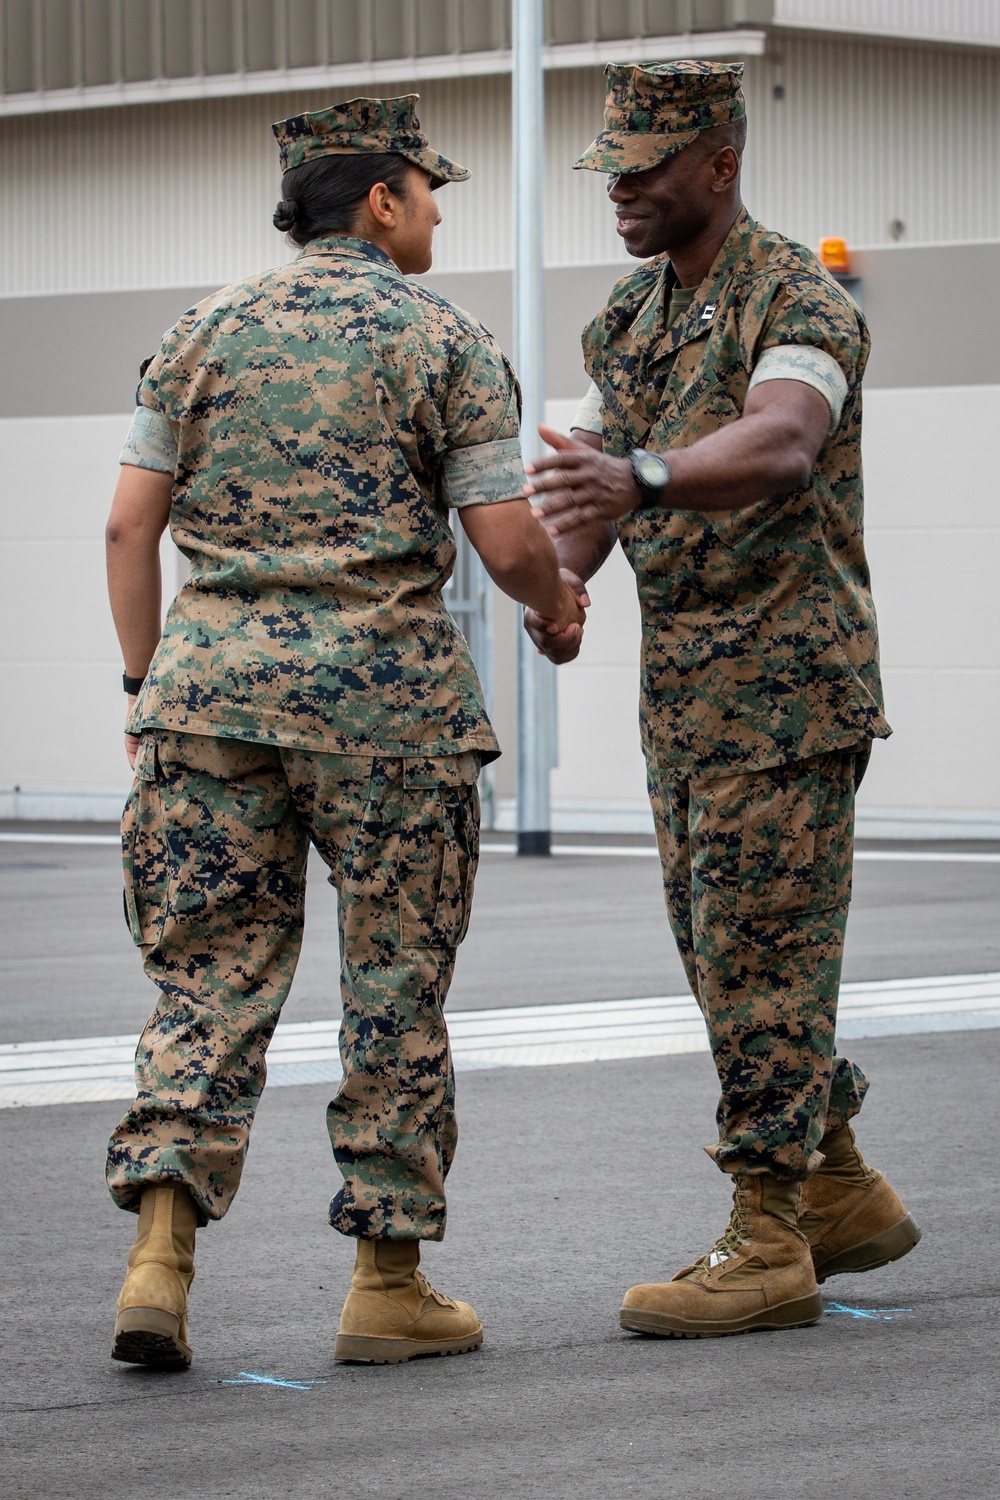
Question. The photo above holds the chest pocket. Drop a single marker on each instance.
(703, 394)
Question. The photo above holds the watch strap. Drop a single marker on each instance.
(132, 685)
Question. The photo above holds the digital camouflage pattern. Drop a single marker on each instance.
(315, 408)
(367, 126)
(757, 876)
(652, 113)
(809, 366)
(215, 838)
(759, 642)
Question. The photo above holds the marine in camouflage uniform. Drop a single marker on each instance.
(760, 687)
(310, 687)
(760, 690)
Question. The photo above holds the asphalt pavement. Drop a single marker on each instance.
(542, 931)
(570, 1184)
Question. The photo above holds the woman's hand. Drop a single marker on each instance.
(131, 740)
(572, 614)
(560, 640)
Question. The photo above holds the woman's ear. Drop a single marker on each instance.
(382, 206)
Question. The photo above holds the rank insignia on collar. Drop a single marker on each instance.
(708, 312)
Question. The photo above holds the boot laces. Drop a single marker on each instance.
(426, 1290)
(733, 1238)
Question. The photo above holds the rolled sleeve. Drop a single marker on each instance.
(804, 314)
(590, 413)
(808, 365)
(150, 443)
(483, 475)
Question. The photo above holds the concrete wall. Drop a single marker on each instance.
(61, 749)
(933, 534)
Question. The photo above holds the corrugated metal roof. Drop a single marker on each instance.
(66, 54)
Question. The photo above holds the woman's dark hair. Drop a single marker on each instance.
(323, 196)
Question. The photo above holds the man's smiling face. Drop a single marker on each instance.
(668, 206)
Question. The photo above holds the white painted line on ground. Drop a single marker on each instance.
(83, 1069)
(588, 851)
(646, 851)
(929, 856)
(60, 838)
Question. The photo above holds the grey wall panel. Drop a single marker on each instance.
(79, 355)
(934, 314)
(933, 311)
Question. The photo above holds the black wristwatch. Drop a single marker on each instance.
(132, 685)
(652, 475)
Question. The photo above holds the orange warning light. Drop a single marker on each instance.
(833, 254)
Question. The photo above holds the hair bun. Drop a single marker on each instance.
(283, 217)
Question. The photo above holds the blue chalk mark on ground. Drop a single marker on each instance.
(874, 1314)
(246, 1378)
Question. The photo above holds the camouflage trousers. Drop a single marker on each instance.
(757, 876)
(215, 838)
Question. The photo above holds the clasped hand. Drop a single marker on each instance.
(557, 640)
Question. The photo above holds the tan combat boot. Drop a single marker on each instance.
(758, 1275)
(152, 1326)
(392, 1313)
(849, 1214)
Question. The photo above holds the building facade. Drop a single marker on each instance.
(138, 173)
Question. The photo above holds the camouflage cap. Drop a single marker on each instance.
(652, 113)
(363, 125)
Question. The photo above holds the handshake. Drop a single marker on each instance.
(560, 639)
(575, 487)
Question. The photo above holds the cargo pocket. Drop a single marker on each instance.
(797, 845)
(438, 851)
(145, 863)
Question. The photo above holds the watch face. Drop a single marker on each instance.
(652, 470)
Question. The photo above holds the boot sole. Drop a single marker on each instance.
(798, 1313)
(361, 1350)
(150, 1336)
(892, 1244)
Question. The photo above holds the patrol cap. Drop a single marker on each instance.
(363, 125)
(652, 113)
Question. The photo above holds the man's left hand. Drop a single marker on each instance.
(576, 485)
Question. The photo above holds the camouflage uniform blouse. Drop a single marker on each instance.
(759, 643)
(326, 415)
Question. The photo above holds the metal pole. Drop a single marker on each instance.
(536, 680)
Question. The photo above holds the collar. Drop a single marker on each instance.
(647, 330)
(346, 245)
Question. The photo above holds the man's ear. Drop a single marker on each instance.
(725, 168)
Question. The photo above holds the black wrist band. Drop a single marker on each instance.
(132, 685)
